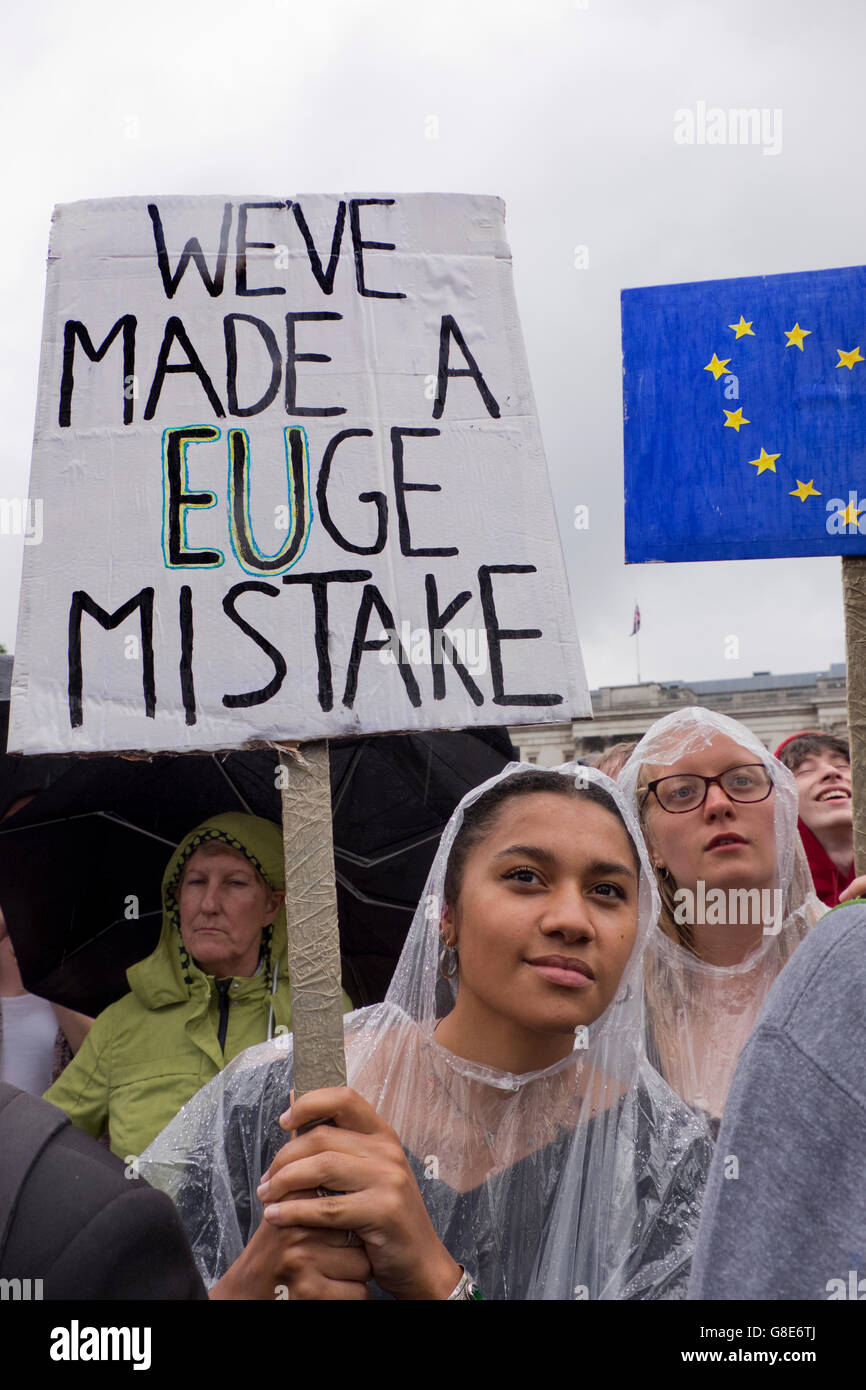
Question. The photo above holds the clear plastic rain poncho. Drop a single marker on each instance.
(583, 1180)
(699, 1015)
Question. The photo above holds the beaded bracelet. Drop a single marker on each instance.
(466, 1291)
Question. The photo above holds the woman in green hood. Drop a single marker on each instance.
(217, 982)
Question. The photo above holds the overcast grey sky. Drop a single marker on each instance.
(566, 109)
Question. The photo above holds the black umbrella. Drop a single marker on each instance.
(392, 797)
(19, 777)
(81, 864)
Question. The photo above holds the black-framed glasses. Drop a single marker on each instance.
(687, 791)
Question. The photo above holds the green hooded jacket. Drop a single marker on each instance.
(148, 1054)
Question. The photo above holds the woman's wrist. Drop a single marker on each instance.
(229, 1287)
(247, 1278)
(439, 1279)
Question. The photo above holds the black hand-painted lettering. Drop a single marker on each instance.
(324, 278)
(293, 356)
(192, 251)
(187, 686)
(248, 552)
(436, 624)
(242, 247)
(447, 331)
(370, 599)
(398, 432)
(319, 585)
(269, 338)
(83, 603)
(174, 329)
(178, 554)
(378, 498)
(496, 635)
(360, 246)
(267, 692)
(73, 329)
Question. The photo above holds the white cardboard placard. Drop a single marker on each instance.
(273, 434)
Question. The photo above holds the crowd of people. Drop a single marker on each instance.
(621, 1049)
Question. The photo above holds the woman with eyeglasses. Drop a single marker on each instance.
(719, 815)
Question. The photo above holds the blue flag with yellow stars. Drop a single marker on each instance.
(745, 417)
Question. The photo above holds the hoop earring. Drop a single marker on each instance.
(448, 961)
(624, 998)
(663, 871)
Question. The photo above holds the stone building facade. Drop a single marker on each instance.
(771, 706)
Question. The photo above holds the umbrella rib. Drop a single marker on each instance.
(366, 898)
(67, 956)
(151, 835)
(241, 799)
(366, 862)
(344, 783)
(106, 815)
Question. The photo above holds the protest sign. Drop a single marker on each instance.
(290, 477)
(745, 437)
(290, 485)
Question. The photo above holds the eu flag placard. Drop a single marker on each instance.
(745, 417)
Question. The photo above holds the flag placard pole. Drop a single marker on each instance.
(311, 917)
(854, 601)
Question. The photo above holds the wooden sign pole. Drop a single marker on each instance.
(311, 917)
(854, 600)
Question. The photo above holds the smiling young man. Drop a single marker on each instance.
(822, 768)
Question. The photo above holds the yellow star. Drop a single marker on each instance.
(850, 514)
(735, 419)
(847, 359)
(716, 367)
(796, 336)
(765, 461)
(804, 490)
(742, 327)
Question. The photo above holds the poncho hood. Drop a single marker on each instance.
(170, 975)
(700, 1014)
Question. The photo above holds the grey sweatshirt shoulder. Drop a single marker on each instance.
(785, 1209)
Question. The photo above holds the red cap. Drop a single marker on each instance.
(804, 733)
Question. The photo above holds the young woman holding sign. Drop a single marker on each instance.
(503, 1130)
